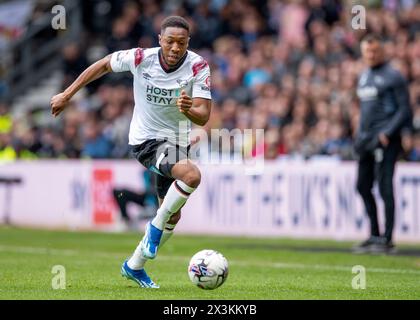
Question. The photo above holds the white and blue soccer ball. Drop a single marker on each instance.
(208, 269)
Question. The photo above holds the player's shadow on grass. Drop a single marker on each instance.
(411, 252)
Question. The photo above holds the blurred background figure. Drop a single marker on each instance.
(385, 112)
(7, 152)
(96, 144)
(74, 62)
(146, 201)
(414, 154)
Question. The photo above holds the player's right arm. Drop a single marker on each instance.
(119, 61)
(93, 72)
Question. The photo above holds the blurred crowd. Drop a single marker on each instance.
(288, 67)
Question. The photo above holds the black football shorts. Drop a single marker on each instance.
(159, 156)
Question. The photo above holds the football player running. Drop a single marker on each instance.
(171, 90)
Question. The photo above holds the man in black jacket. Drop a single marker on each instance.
(384, 111)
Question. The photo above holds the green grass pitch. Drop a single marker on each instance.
(269, 269)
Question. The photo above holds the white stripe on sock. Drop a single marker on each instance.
(185, 187)
(174, 200)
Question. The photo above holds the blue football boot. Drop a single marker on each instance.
(139, 276)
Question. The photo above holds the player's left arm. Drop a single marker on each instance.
(404, 112)
(196, 109)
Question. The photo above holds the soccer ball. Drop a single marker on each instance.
(208, 269)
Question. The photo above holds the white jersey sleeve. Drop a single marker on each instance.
(126, 60)
(201, 82)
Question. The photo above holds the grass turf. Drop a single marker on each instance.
(268, 269)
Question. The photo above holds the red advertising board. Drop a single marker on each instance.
(102, 201)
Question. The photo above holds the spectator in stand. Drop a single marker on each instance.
(289, 66)
(96, 144)
(120, 37)
(74, 62)
(413, 148)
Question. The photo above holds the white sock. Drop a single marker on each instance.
(175, 198)
(167, 233)
(137, 261)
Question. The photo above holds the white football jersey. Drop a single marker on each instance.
(155, 114)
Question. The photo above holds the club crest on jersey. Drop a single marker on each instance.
(182, 83)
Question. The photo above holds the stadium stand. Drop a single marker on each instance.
(289, 67)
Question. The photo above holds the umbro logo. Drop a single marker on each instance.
(146, 76)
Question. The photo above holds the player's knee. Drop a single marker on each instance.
(187, 173)
(192, 178)
(190, 175)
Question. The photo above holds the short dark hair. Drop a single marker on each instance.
(372, 37)
(175, 21)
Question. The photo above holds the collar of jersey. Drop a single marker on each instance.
(168, 69)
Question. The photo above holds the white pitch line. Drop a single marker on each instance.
(276, 265)
(38, 250)
(344, 268)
